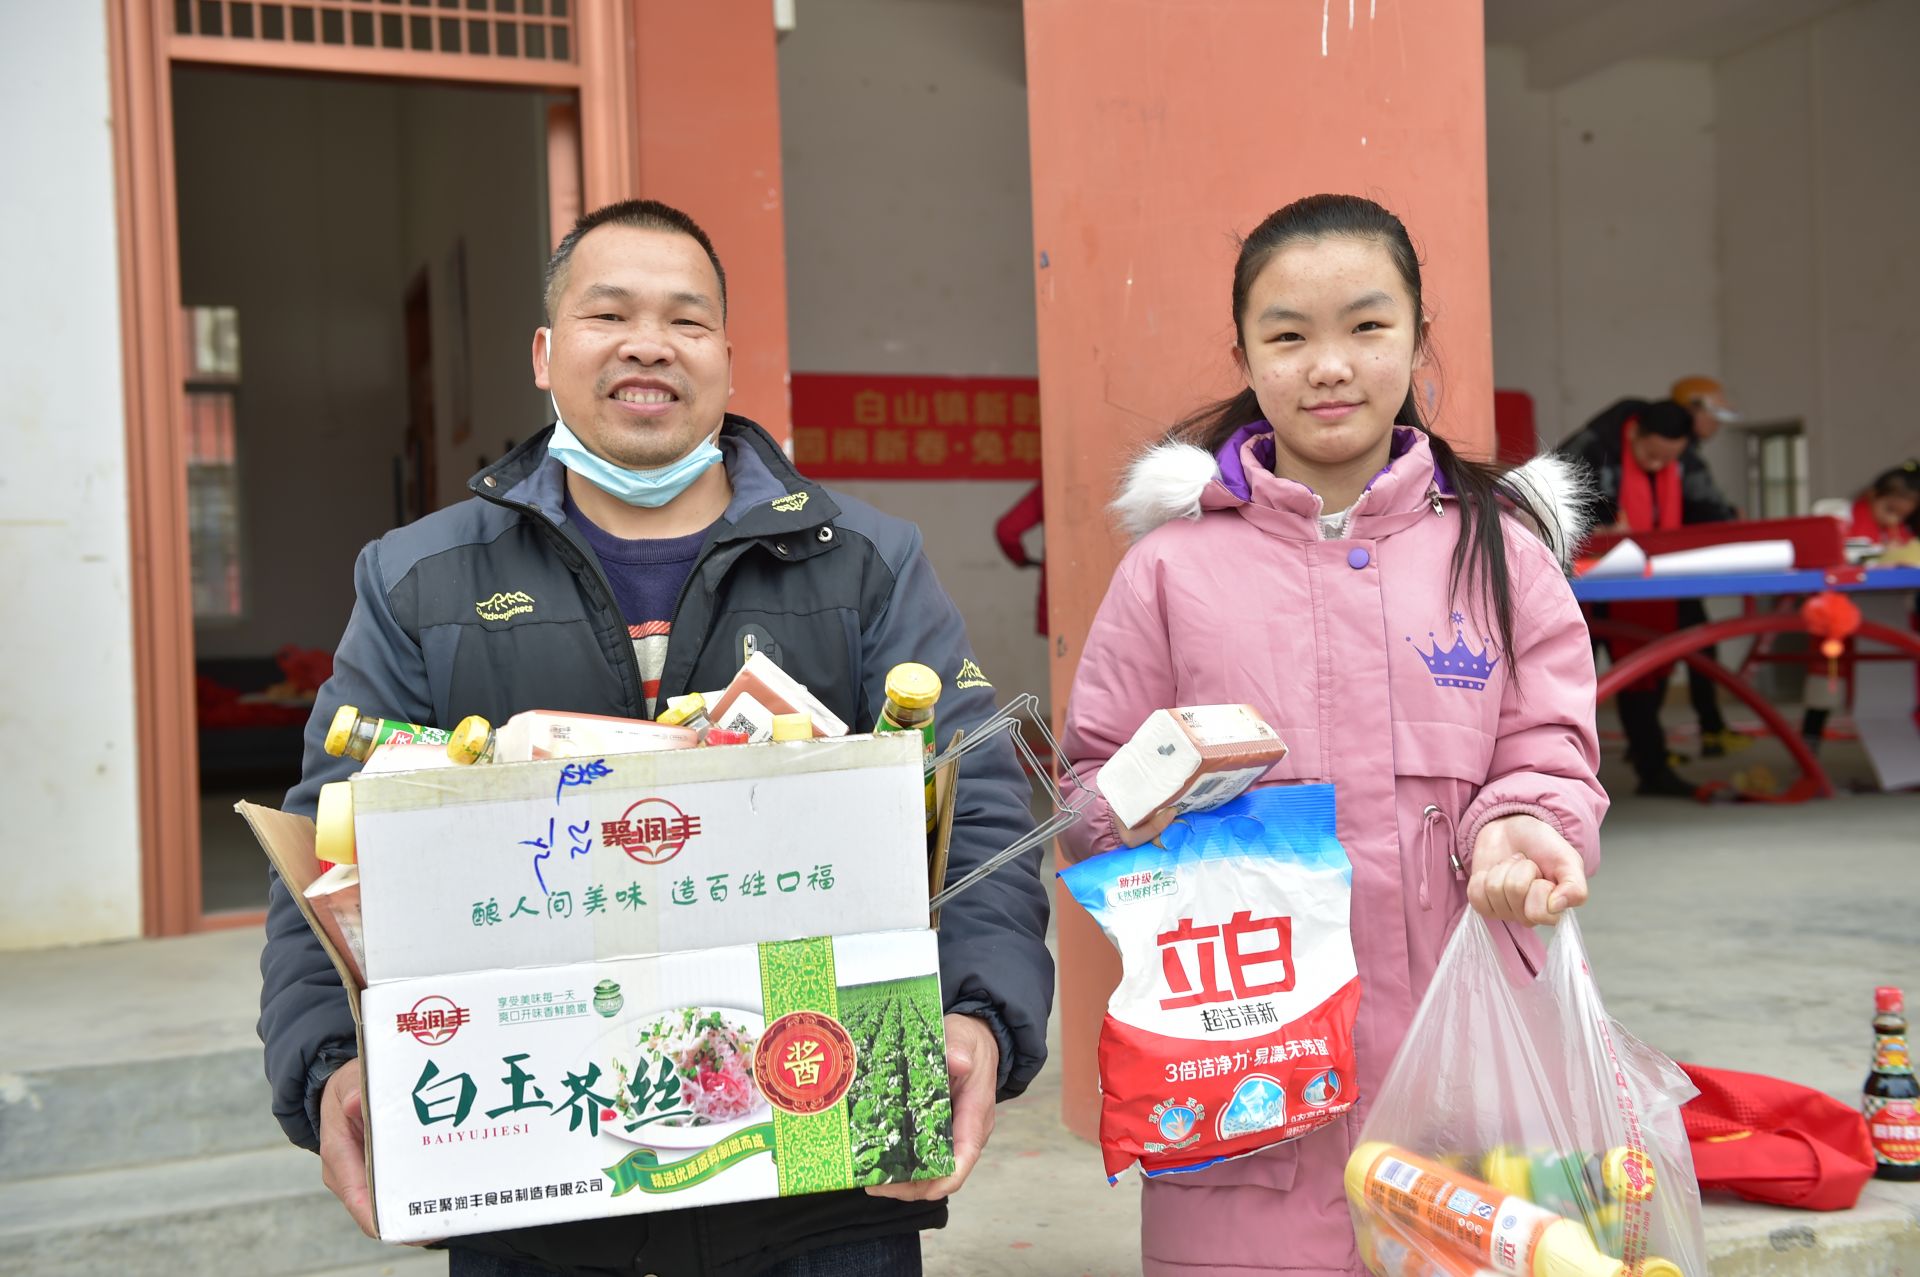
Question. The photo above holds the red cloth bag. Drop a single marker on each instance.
(1776, 1142)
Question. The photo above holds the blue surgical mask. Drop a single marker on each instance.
(649, 488)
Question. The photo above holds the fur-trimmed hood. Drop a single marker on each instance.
(1168, 481)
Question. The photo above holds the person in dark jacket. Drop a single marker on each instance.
(1648, 476)
(651, 542)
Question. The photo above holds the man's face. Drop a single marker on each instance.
(640, 366)
(1710, 412)
(1652, 451)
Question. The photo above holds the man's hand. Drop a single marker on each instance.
(1524, 871)
(343, 1141)
(973, 1072)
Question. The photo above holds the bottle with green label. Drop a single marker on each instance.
(355, 735)
(912, 692)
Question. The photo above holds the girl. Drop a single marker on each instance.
(1391, 609)
(1883, 512)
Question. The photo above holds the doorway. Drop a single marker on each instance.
(360, 266)
(326, 159)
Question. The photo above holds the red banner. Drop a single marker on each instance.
(859, 426)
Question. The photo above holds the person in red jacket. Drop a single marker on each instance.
(1884, 511)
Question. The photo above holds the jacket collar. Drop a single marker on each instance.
(1172, 480)
(1405, 489)
(770, 497)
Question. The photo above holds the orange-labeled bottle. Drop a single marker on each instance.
(1434, 1203)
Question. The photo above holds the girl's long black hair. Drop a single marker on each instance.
(1480, 553)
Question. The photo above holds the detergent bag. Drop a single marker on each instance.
(1521, 1130)
(1232, 1027)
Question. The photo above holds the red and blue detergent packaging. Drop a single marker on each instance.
(1232, 1026)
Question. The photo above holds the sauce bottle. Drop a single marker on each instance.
(912, 692)
(1890, 1095)
(355, 735)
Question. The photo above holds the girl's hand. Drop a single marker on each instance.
(1524, 871)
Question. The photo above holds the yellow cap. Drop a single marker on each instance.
(341, 730)
(467, 743)
(1628, 1174)
(913, 686)
(333, 823)
(1510, 1171)
(1660, 1268)
(681, 708)
(793, 727)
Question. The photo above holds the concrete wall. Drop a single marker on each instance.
(1819, 170)
(309, 203)
(909, 225)
(1602, 207)
(71, 854)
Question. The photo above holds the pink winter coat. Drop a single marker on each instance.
(1377, 681)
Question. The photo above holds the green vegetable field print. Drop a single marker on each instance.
(898, 1113)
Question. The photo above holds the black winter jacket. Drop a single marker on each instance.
(836, 593)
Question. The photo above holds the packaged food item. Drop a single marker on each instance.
(1521, 1130)
(746, 714)
(1464, 1221)
(355, 735)
(1187, 759)
(792, 727)
(773, 691)
(336, 903)
(540, 733)
(727, 736)
(689, 711)
(1891, 1097)
(912, 692)
(1232, 1026)
(333, 824)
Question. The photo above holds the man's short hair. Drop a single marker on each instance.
(1667, 419)
(646, 215)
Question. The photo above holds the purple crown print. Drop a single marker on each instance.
(1459, 665)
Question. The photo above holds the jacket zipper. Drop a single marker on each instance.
(1433, 818)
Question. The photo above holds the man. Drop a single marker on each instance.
(661, 540)
(1638, 454)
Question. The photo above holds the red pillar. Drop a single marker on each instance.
(708, 135)
(1160, 129)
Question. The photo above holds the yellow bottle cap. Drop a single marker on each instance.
(467, 743)
(793, 727)
(681, 708)
(1628, 1174)
(911, 685)
(341, 730)
(333, 823)
(1660, 1268)
(1510, 1171)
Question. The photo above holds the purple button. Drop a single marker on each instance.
(1358, 558)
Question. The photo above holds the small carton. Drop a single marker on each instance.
(1188, 759)
(737, 997)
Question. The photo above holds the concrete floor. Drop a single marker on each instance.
(1744, 936)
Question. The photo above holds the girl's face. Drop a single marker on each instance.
(1329, 339)
(1894, 508)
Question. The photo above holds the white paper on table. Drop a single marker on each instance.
(1735, 556)
(1624, 559)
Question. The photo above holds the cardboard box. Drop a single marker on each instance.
(563, 1092)
(517, 1053)
(565, 861)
